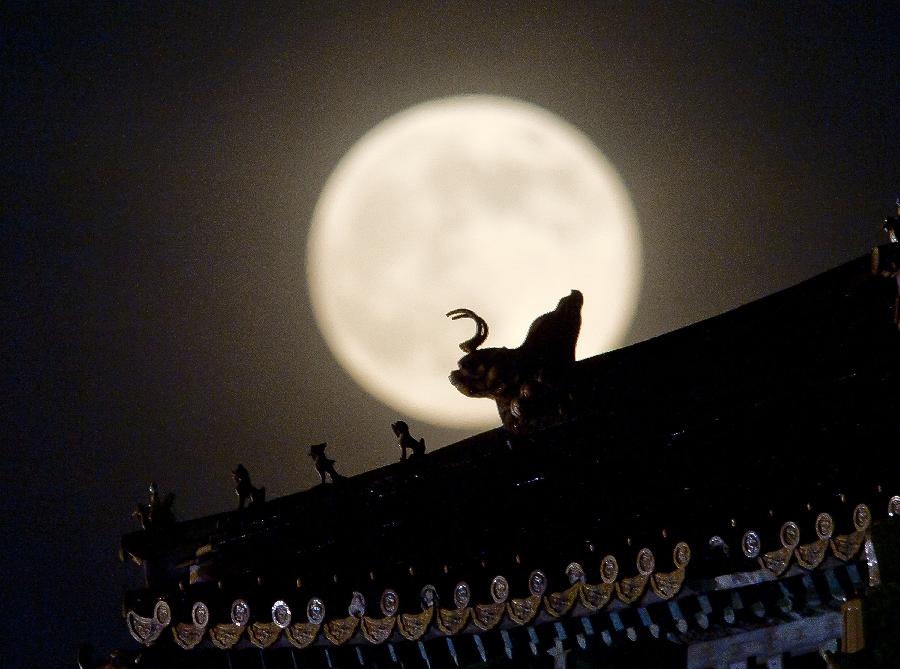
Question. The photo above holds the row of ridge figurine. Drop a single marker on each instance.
(158, 513)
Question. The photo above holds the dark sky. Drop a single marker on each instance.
(160, 166)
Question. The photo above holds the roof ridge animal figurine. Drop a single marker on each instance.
(157, 513)
(323, 464)
(406, 442)
(528, 383)
(247, 493)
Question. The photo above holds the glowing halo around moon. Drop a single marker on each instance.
(482, 202)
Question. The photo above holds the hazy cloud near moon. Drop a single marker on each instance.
(480, 202)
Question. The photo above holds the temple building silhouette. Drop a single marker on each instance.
(724, 495)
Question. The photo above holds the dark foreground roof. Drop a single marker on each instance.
(756, 445)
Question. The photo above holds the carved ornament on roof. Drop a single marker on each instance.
(751, 544)
(862, 517)
(240, 612)
(790, 534)
(200, 614)
(777, 561)
(357, 606)
(846, 546)
(147, 630)
(281, 614)
(681, 554)
(225, 635)
(630, 589)
(428, 597)
(263, 635)
(559, 603)
(324, 465)
(188, 635)
(824, 526)
(315, 611)
(301, 635)
(894, 506)
(499, 589)
(528, 383)
(595, 597)
(488, 616)
(162, 612)
(462, 594)
(390, 602)
(575, 573)
(413, 625)
(523, 611)
(609, 569)
(340, 630)
(247, 493)
(646, 563)
(451, 621)
(537, 582)
(666, 585)
(157, 513)
(377, 630)
(811, 555)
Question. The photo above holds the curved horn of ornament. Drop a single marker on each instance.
(481, 328)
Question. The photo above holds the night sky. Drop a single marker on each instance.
(161, 164)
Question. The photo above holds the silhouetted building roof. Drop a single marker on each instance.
(710, 485)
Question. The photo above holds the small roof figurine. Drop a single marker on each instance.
(156, 514)
(245, 490)
(323, 464)
(405, 441)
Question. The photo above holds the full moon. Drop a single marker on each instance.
(483, 202)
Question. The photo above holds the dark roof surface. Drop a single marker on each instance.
(779, 410)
